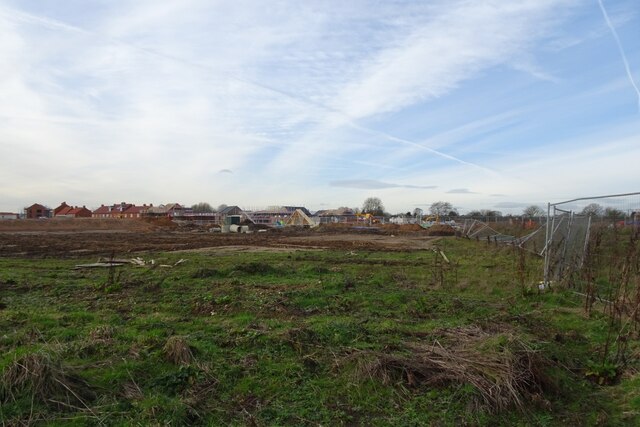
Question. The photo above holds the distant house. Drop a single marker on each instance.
(60, 208)
(37, 211)
(101, 212)
(236, 212)
(8, 215)
(136, 211)
(66, 211)
(340, 215)
(231, 210)
(300, 219)
(113, 211)
(175, 209)
(169, 210)
(276, 216)
(402, 219)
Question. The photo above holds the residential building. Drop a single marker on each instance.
(60, 208)
(67, 211)
(113, 211)
(36, 211)
(169, 210)
(276, 216)
(8, 215)
(340, 215)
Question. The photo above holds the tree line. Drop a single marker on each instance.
(374, 206)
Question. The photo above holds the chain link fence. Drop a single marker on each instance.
(571, 222)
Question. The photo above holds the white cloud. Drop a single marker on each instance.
(461, 40)
(154, 101)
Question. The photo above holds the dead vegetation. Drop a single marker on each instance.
(178, 351)
(46, 380)
(504, 370)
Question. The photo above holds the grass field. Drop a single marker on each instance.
(305, 337)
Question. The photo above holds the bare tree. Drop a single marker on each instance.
(440, 208)
(532, 211)
(417, 212)
(592, 209)
(484, 213)
(373, 206)
(202, 207)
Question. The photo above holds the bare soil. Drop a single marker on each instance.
(81, 237)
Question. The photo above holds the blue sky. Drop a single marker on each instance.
(485, 104)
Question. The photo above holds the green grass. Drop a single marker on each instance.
(271, 334)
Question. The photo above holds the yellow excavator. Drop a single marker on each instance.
(367, 217)
(432, 218)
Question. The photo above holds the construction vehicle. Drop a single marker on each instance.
(367, 217)
(432, 218)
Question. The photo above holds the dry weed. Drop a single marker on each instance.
(503, 369)
(47, 380)
(178, 351)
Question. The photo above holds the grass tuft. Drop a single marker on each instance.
(46, 380)
(178, 351)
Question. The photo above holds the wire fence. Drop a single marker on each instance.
(527, 233)
(570, 224)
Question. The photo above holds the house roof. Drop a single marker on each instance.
(157, 209)
(229, 210)
(38, 206)
(70, 210)
(292, 209)
(62, 206)
(136, 209)
(336, 212)
(118, 207)
(102, 210)
(298, 217)
(65, 210)
(77, 210)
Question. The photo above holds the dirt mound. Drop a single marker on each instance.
(441, 230)
(374, 228)
(400, 228)
(161, 222)
(76, 225)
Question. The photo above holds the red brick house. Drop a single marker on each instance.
(121, 210)
(62, 206)
(102, 212)
(67, 211)
(136, 211)
(114, 211)
(76, 212)
(37, 211)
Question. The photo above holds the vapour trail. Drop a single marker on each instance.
(58, 25)
(622, 54)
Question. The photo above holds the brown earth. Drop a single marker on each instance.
(80, 237)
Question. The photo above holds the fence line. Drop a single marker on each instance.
(569, 225)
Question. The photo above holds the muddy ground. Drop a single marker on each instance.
(83, 237)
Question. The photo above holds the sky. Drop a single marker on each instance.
(485, 104)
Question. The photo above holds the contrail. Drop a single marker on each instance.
(46, 22)
(622, 54)
(351, 122)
